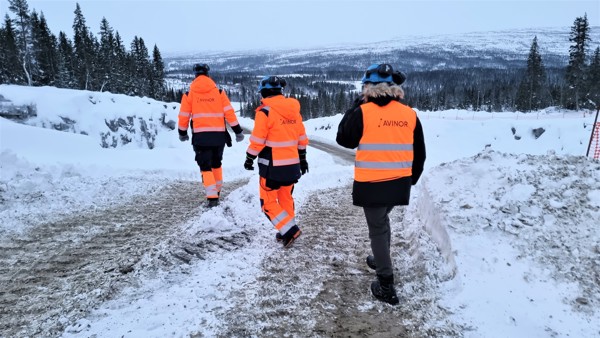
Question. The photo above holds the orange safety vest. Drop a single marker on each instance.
(207, 106)
(278, 125)
(385, 151)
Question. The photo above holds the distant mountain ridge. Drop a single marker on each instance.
(492, 49)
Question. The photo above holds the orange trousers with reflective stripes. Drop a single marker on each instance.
(278, 205)
(212, 181)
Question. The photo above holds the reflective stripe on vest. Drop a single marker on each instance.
(199, 115)
(385, 151)
(281, 144)
(385, 147)
(258, 140)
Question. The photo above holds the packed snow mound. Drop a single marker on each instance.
(112, 120)
(547, 205)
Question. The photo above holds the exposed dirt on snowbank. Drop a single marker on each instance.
(61, 269)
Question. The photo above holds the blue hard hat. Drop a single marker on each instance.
(271, 82)
(377, 73)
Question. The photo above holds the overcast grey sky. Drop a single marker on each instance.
(179, 26)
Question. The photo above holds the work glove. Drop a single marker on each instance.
(303, 163)
(249, 164)
(227, 139)
(184, 137)
(303, 166)
(239, 137)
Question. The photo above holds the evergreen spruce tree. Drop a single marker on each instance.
(141, 67)
(84, 52)
(594, 80)
(157, 89)
(576, 70)
(341, 102)
(23, 35)
(133, 68)
(95, 76)
(11, 71)
(66, 63)
(107, 56)
(531, 92)
(34, 70)
(120, 67)
(44, 52)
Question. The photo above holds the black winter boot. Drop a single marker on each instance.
(383, 289)
(290, 236)
(213, 202)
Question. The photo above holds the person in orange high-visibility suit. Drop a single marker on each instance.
(279, 141)
(206, 108)
(390, 156)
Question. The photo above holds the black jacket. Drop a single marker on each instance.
(386, 193)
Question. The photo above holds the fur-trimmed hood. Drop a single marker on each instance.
(383, 89)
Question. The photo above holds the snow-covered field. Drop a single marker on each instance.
(501, 239)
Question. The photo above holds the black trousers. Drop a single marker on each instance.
(380, 234)
(209, 157)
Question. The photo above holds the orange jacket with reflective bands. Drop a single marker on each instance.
(207, 107)
(385, 151)
(277, 136)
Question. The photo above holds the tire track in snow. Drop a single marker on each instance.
(321, 286)
(61, 269)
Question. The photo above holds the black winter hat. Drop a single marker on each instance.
(201, 69)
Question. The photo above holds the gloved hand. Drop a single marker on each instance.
(303, 166)
(303, 163)
(249, 164)
(239, 137)
(184, 137)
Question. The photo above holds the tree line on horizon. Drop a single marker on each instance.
(580, 87)
(529, 88)
(32, 55)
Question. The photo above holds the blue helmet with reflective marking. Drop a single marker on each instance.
(271, 82)
(378, 73)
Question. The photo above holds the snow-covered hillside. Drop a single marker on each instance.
(413, 52)
(501, 237)
(99, 114)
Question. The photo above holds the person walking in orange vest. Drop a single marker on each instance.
(390, 157)
(279, 141)
(206, 108)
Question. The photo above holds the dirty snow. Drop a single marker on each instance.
(504, 242)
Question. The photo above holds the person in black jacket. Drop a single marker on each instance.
(389, 160)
